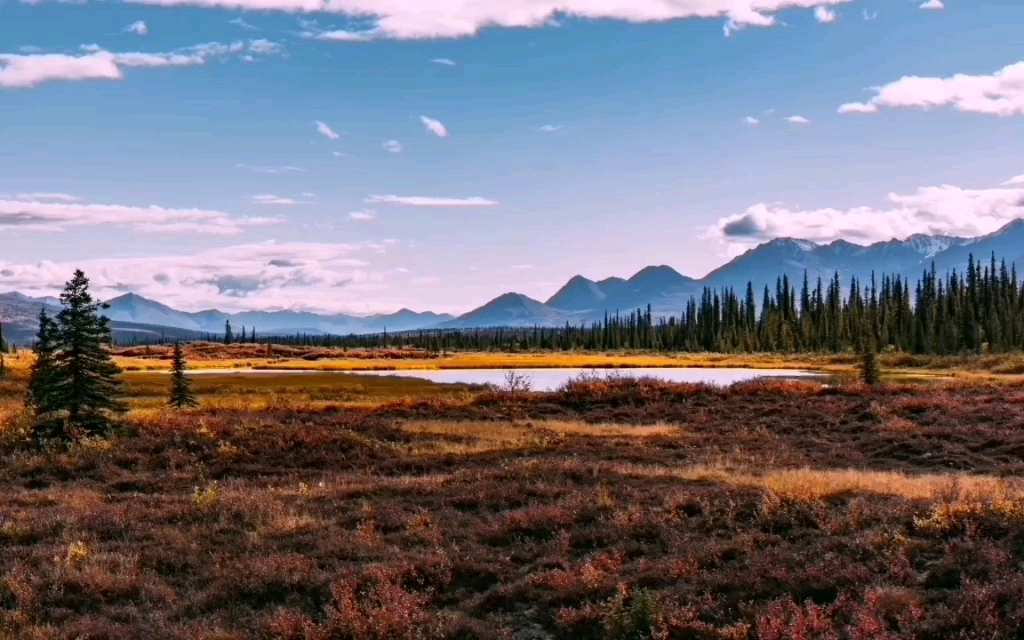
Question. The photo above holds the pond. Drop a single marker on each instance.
(552, 379)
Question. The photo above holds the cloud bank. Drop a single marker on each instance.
(269, 275)
(941, 210)
(998, 94)
(432, 19)
(38, 214)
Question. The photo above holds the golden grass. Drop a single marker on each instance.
(811, 484)
(474, 438)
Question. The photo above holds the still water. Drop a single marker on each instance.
(551, 379)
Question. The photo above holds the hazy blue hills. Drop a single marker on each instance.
(579, 300)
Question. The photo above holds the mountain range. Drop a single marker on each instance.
(580, 299)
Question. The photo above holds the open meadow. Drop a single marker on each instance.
(337, 506)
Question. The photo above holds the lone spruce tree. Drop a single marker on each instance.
(869, 371)
(75, 385)
(181, 387)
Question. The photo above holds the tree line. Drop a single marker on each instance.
(978, 309)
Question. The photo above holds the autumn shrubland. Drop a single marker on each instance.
(612, 509)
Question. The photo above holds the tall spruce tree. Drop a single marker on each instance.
(87, 382)
(182, 396)
(41, 397)
(228, 337)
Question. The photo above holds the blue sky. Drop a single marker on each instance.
(172, 147)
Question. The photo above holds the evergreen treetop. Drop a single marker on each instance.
(182, 396)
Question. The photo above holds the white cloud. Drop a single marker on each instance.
(326, 131)
(363, 215)
(340, 36)
(57, 214)
(242, 24)
(942, 210)
(270, 170)
(933, 5)
(434, 126)
(138, 27)
(1014, 180)
(264, 47)
(48, 197)
(269, 275)
(444, 62)
(268, 198)
(824, 15)
(869, 15)
(393, 146)
(550, 128)
(797, 120)
(422, 201)
(752, 121)
(998, 94)
(428, 19)
(24, 71)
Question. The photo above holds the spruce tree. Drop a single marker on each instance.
(869, 371)
(43, 380)
(87, 381)
(182, 396)
(228, 337)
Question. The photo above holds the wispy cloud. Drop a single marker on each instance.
(422, 201)
(434, 126)
(24, 71)
(270, 170)
(242, 24)
(268, 198)
(752, 121)
(326, 131)
(1015, 180)
(999, 94)
(933, 5)
(444, 62)
(869, 15)
(431, 19)
(48, 197)
(550, 128)
(363, 215)
(340, 36)
(797, 120)
(138, 27)
(393, 146)
(942, 210)
(824, 15)
(58, 214)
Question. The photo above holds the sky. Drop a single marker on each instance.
(364, 156)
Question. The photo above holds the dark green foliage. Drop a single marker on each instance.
(182, 396)
(74, 385)
(228, 336)
(41, 397)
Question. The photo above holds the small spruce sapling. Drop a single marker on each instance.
(182, 396)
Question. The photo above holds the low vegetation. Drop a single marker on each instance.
(612, 509)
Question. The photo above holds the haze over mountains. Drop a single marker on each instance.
(580, 299)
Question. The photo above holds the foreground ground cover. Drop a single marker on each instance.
(611, 510)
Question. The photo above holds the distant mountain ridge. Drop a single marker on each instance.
(580, 299)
